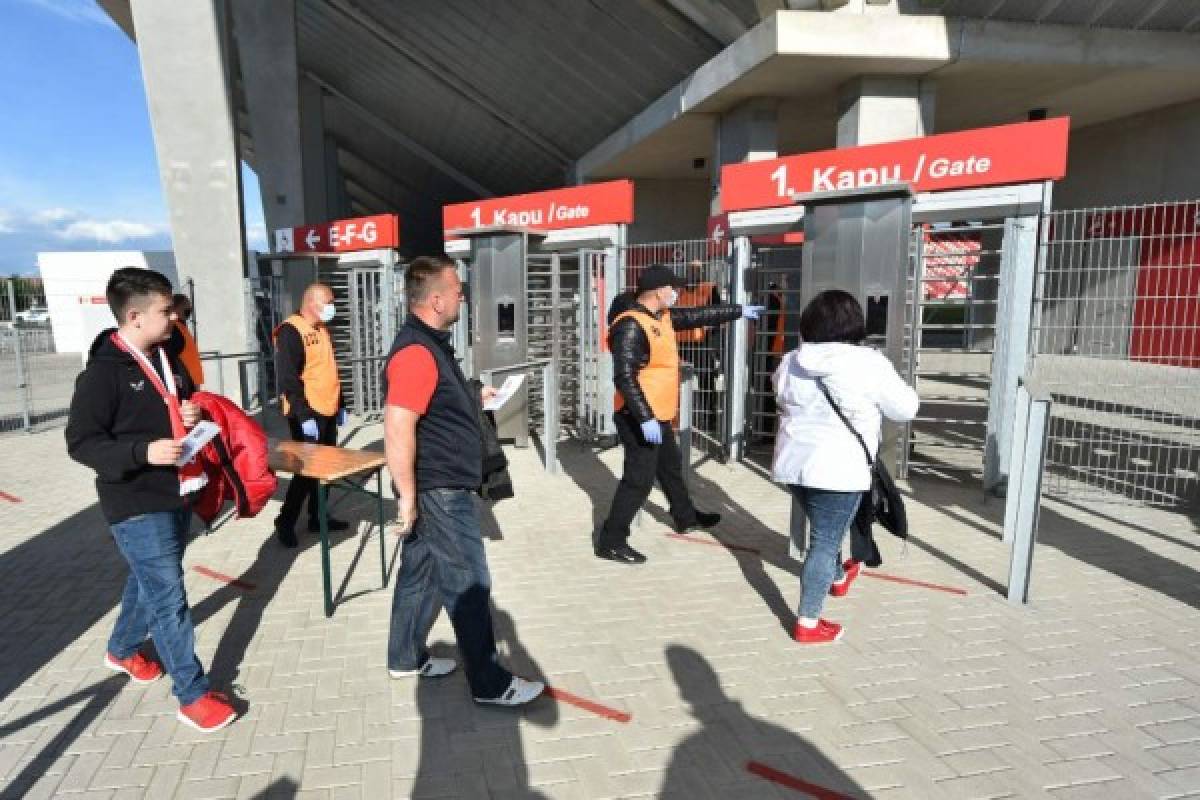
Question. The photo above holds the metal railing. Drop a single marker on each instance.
(551, 421)
(1026, 466)
(248, 388)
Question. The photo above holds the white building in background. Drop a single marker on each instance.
(74, 283)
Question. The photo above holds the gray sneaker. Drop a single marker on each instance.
(518, 693)
(432, 668)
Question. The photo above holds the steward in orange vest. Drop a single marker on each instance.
(696, 292)
(181, 344)
(311, 397)
(646, 376)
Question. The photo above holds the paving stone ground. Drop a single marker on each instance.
(1091, 691)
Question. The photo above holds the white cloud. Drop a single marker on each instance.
(108, 231)
(50, 216)
(6, 222)
(81, 11)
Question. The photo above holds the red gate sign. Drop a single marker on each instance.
(341, 236)
(1020, 153)
(574, 207)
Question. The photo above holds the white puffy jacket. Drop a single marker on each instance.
(813, 448)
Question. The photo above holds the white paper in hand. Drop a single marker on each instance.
(197, 437)
(505, 392)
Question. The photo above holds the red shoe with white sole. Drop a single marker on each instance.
(209, 713)
(842, 588)
(824, 632)
(139, 668)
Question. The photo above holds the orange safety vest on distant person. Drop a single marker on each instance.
(322, 387)
(700, 294)
(189, 357)
(777, 341)
(659, 379)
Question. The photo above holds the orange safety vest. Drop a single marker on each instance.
(691, 296)
(778, 339)
(320, 376)
(189, 357)
(659, 379)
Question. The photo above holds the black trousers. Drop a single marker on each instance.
(643, 464)
(301, 489)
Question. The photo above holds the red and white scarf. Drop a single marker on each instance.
(191, 474)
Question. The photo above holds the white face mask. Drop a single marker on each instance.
(672, 298)
(327, 312)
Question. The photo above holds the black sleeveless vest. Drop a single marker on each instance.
(449, 446)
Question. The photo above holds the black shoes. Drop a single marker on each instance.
(621, 553)
(703, 521)
(314, 525)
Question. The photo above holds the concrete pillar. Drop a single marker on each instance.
(181, 47)
(748, 132)
(312, 150)
(884, 108)
(265, 31)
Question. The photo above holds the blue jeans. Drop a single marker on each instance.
(154, 601)
(443, 564)
(829, 516)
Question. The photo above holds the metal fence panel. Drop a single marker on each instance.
(36, 381)
(1116, 339)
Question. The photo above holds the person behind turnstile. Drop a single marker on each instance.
(823, 462)
(311, 398)
(646, 376)
(434, 446)
(705, 355)
(181, 344)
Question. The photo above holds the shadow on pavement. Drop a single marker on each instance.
(735, 754)
(281, 789)
(95, 699)
(453, 725)
(588, 472)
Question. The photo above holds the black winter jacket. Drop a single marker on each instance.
(115, 414)
(631, 350)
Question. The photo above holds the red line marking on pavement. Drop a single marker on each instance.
(564, 696)
(217, 576)
(792, 782)
(713, 542)
(12, 498)
(883, 576)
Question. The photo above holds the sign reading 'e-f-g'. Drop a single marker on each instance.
(340, 236)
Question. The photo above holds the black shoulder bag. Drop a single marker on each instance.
(883, 503)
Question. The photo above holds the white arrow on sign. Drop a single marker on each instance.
(312, 239)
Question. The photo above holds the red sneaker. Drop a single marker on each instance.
(210, 713)
(823, 632)
(139, 668)
(842, 588)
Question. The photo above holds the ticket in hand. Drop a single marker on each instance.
(204, 432)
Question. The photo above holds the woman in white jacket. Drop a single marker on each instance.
(816, 454)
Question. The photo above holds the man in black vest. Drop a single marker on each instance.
(435, 455)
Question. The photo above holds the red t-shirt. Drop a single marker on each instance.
(412, 377)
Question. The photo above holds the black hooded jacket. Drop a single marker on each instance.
(631, 351)
(115, 414)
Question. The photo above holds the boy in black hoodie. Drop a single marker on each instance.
(128, 415)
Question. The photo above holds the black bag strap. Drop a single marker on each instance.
(846, 422)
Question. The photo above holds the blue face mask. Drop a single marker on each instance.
(673, 298)
(328, 312)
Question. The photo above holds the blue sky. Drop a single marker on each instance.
(77, 163)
